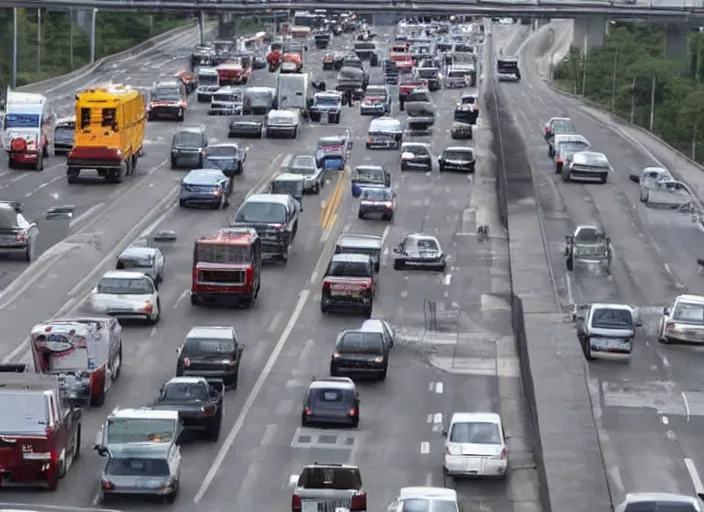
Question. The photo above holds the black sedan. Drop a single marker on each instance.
(457, 158)
(228, 157)
(419, 251)
(212, 352)
(246, 127)
(17, 234)
(198, 401)
(360, 353)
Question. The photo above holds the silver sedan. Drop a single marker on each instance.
(306, 166)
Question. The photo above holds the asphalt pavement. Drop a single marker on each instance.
(470, 366)
(648, 411)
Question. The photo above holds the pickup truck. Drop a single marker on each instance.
(406, 87)
(349, 284)
(328, 487)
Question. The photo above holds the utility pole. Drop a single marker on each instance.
(584, 72)
(14, 47)
(694, 140)
(613, 83)
(70, 37)
(633, 100)
(39, 40)
(92, 36)
(652, 104)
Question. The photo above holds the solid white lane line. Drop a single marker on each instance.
(251, 398)
(694, 475)
(384, 235)
(424, 448)
(686, 405)
(183, 295)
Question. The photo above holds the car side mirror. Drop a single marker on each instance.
(634, 178)
(98, 439)
(178, 350)
(444, 432)
(666, 310)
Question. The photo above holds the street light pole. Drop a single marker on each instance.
(70, 37)
(39, 40)
(14, 47)
(613, 83)
(92, 35)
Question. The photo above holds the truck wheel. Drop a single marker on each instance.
(194, 299)
(10, 162)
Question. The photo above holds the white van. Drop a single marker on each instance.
(385, 133)
(283, 123)
(28, 129)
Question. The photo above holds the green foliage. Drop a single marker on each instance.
(620, 76)
(65, 45)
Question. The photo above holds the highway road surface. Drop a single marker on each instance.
(398, 443)
(649, 410)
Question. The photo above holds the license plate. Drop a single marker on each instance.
(341, 293)
(473, 464)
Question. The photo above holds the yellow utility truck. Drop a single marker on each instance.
(110, 126)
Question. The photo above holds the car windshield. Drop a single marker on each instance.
(205, 347)
(376, 194)
(375, 92)
(428, 73)
(369, 174)
(610, 318)
(475, 432)
(457, 73)
(589, 236)
(688, 312)
(207, 79)
(348, 269)
(220, 151)
(23, 412)
(423, 244)
(327, 100)
(360, 343)
(468, 100)
(267, 213)
(227, 97)
(125, 286)
(140, 430)
(137, 467)
(64, 132)
(660, 506)
(329, 477)
(459, 155)
(424, 505)
(303, 165)
(416, 150)
(562, 126)
(188, 139)
(165, 95)
(364, 46)
(134, 262)
(185, 391)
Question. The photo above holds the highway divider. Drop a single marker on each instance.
(330, 207)
(566, 446)
(49, 85)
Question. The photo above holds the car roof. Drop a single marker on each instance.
(635, 497)
(225, 145)
(134, 251)
(422, 236)
(186, 380)
(365, 241)
(469, 417)
(268, 198)
(695, 299)
(332, 138)
(332, 382)
(123, 274)
(203, 176)
(369, 167)
(411, 144)
(660, 170)
(192, 129)
(441, 493)
(464, 149)
(385, 122)
(607, 305)
(351, 258)
(372, 325)
(288, 176)
(67, 119)
(211, 331)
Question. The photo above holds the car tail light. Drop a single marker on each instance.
(670, 325)
(107, 484)
(21, 236)
(476, 107)
(502, 454)
(358, 502)
(352, 412)
(182, 104)
(307, 411)
(560, 161)
(209, 411)
(547, 129)
(370, 140)
(186, 362)
(295, 503)
(326, 286)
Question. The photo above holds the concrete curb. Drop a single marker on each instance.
(50, 84)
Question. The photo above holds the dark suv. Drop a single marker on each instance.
(188, 147)
(331, 400)
(361, 352)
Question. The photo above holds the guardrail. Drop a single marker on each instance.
(51, 84)
(490, 9)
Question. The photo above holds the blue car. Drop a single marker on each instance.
(205, 188)
(369, 176)
(331, 152)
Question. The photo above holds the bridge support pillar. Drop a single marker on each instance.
(226, 26)
(589, 32)
(677, 46)
(201, 27)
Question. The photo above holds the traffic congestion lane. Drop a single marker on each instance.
(630, 401)
(149, 348)
(40, 191)
(306, 352)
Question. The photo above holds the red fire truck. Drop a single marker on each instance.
(227, 267)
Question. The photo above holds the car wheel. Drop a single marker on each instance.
(155, 320)
(173, 163)
(399, 265)
(382, 375)
(323, 308)
(182, 204)
(316, 188)
(360, 215)
(441, 168)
